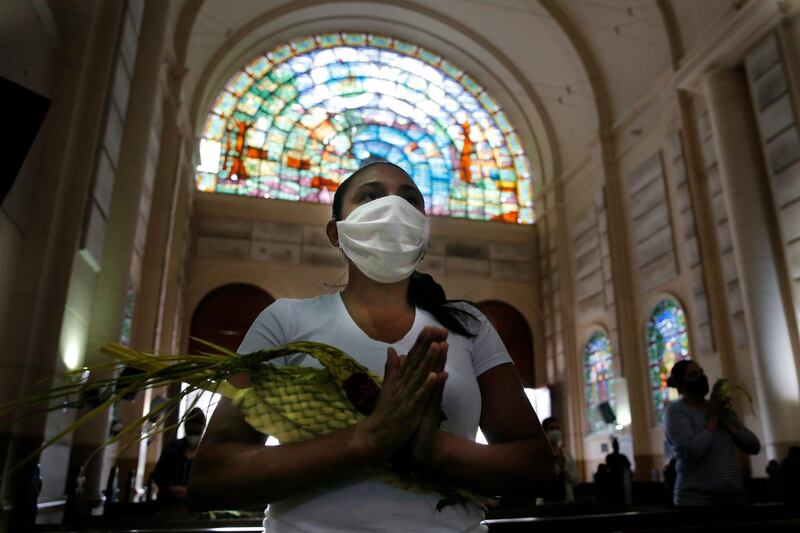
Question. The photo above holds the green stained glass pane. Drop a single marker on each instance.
(249, 104)
(280, 54)
(258, 67)
(405, 48)
(354, 39)
(380, 41)
(488, 102)
(303, 45)
(214, 127)
(267, 85)
(239, 83)
(502, 122)
(329, 40)
(514, 145)
(471, 85)
(450, 70)
(429, 57)
(224, 103)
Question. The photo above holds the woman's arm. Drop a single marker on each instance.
(234, 468)
(744, 439)
(518, 458)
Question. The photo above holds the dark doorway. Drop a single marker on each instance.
(516, 335)
(225, 314)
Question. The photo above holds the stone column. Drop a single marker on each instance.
(573, 403)
(114, 277)
(149, 310)
(745, 185)
(631, 342)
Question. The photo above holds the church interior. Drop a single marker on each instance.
(615, 184)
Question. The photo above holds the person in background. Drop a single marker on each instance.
(670, 473)
(620, 475)
(790, 476)
(566, 470)
(705, 434)
(171, 474)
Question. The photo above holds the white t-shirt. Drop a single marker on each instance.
(365, 504)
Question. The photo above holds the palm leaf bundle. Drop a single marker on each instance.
(290, 403)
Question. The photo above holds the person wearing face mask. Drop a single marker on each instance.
(704, 434)
(435, 355)
(171, 474)
(566, 469)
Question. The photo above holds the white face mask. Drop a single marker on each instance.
(554, 435)
(385, 238)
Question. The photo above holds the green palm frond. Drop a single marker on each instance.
(290, 403)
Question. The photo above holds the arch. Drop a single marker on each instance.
(516, 335)
(417, 23)
(225, 314)
(598, 378)
(667, 340)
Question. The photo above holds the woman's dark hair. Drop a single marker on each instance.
(423, 291)
(549, 421)
(195, 416)
(675, 379)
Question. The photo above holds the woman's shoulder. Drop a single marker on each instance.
(468, 308)
(299, 305)
(678, 406)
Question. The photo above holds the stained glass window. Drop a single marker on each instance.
(667, 343)
(598, 378)
(127, 316)
(299, 119)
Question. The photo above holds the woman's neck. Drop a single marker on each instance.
(698, 402)
(367, 293)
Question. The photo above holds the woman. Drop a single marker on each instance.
(385, 309)
(705, 435)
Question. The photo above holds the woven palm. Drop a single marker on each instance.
(298, 403)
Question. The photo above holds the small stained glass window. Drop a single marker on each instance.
(598, 379)
(296, 121)
(127, 316)
(667, 343)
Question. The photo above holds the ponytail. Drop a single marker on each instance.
(425, 293)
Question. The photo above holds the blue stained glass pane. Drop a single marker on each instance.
(321, 105)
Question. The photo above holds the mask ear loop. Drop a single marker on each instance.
(341, 281)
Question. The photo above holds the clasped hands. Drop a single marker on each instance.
(408, 411)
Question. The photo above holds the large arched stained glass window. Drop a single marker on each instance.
(667, 343)
(598, 378)
(299, 119)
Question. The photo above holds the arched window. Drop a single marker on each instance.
(667, 343)
(598, 378)
(299, 119)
